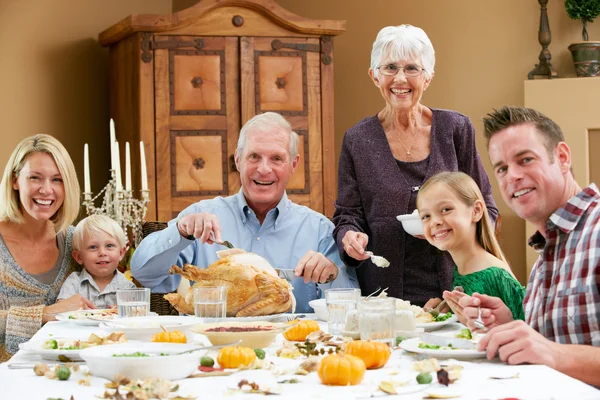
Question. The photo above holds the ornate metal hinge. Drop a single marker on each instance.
(325, 48)
(148, 45)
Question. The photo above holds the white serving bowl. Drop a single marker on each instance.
(411, 223)
(320, 307)
(102, 363)
(143, 328)
(255, 339)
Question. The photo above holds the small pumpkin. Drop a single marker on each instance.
(341, 370)
(235, 356)
(170, 337)
(299, 332)
(374, 354)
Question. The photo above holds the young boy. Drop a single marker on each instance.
(98, 245)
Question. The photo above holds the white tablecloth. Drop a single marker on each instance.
(535, 382)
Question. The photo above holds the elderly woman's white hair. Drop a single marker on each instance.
(403, 42)
(267, 120)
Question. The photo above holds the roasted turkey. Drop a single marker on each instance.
(253, 286)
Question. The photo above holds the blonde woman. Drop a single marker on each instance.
(455, 219)
(39, 199)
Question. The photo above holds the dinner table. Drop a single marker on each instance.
(480, 378)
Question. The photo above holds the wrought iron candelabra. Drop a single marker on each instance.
(121, 206)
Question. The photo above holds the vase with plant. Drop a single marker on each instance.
(586, 54)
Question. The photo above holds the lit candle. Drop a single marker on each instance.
(127, 168)
(118, 167)
(86, 169)
(143, 163)
(113, 139)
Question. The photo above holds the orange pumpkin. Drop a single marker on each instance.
(374, 354)
(299, 332)
(341, 370)
(235, 357)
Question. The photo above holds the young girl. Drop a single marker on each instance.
(455, 219)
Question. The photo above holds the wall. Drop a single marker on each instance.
(54, 74)
(484, 51)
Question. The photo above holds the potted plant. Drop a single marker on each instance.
(586, 54)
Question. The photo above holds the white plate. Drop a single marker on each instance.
(411, 223)
(82, 317)
(412, 345)
(432, 326)
(35, 346)
(143, 328)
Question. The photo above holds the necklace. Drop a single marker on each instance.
(412, 141)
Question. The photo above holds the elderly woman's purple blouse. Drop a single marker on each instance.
(374, 187)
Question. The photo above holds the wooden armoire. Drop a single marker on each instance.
(185, 83)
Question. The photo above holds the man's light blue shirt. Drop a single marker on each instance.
(288, 232)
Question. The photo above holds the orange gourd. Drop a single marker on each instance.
(341, 370)
(374, 354)
(299, 332)
(235, 356)
(170, 337)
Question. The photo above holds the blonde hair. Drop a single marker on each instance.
(468, 192)
(10, 205)
(94, 224)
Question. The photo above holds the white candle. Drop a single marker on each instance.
(143, 163)
(113, 139)
(118, 167)
(86, 169)
(127, 168)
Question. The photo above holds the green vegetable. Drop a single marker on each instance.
(399, 339)
(424, 378)
(136, 354)
(465, 334)
(63, 373)
(442, 317)
(260, 353)
(429, 346)
(71, 317)
(71, 348)
(207, 362)
(50, 344)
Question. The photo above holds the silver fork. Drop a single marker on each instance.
(293, 317)
(479, 322)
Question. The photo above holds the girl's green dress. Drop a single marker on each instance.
(494, 281)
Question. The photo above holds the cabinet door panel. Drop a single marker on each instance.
(197, 111)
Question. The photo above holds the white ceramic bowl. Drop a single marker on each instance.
(102, 363)
(411, 223)
(320, 307)
(255, 339)
(143, 328)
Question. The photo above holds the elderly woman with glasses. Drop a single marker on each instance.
(384, 160)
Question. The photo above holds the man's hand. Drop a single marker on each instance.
(355, 244)
(316, 267)
(517, 343)
(493, 310)
(202, 226)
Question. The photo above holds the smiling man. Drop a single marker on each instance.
(259, 218)
(532, 165)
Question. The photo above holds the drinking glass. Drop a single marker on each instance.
(376, 319)
(339, 303)
(210, 302)
(133, 302)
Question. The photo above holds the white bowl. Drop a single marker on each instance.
(102, 363)
(143, 328)
(260, 334)
(411, 223)
(320, 307)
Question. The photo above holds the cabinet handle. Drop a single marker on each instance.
(197, 82)
(198, 163)
(280, 83)
(232, 166)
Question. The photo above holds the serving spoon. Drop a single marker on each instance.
(378, 260)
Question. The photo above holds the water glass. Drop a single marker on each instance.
(210, 302)
(339, 303)
(376, 319)
(133, 302)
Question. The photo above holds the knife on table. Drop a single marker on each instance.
(455, 343)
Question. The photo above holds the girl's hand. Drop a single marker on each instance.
(355, 244)
(73, 303)
(433, 303)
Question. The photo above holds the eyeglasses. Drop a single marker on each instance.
(392, 70)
